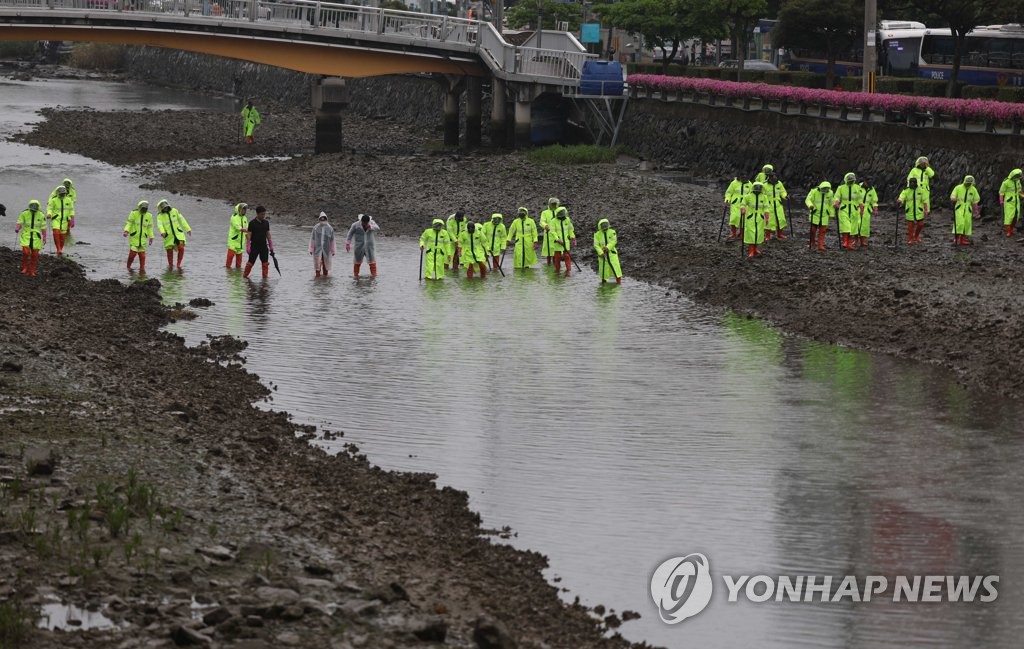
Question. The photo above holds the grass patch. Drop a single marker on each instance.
(577, 154)
(97, 56)
(17, 49)
(16, 623)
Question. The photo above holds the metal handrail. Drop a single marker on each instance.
(389, 25)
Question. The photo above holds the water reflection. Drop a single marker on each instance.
(613, 427)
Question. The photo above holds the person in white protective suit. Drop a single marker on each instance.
(322, 246)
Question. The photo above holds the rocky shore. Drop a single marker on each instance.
(140, 485)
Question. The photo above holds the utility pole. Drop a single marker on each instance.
(870, 45)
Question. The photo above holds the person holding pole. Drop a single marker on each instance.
(546, 217)
(563, 236)
(435, 241)
(456, 226)
(322, 245)
(496, 237)
(775, 192)
(606, 244)
(966, 202)
(31, 228)
(734, 194)
(474, 250)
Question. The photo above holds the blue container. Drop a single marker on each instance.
(602, 78)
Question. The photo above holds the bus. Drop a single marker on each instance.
(849, 63)
(994, 55)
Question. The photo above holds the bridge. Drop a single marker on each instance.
(328, 39)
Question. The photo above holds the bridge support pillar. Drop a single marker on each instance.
(523, 115)
(451, 115)
(474, 96)
(330, 97)
(499, 114)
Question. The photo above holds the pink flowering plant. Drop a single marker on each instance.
(973, 109)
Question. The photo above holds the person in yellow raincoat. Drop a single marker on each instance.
(434, 243)
(915, 202)
(523, 232)
(250, 120)
(776, 194)
(734, 195)
(1010, 195)
(474, 249)
(174, 229)
(755, 210)
(966, 200)
(870, 210)
(495, 236)
(139, 231)
(456, 226)
(546, 216)
(819, 203)
(238, 226)
(61, 212)
(606, 243)
(563, 236)
(849, 204)
(31, 227)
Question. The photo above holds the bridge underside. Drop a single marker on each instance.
(338, 59)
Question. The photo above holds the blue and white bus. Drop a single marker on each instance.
(994, 55)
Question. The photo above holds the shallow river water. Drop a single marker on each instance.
(611, 428)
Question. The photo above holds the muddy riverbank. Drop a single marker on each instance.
(959, 308)
(139, 483)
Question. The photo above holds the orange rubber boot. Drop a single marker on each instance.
(558, 261)
(732, 231)
(767, 235)
(779, 235)
(373, 269)
(568, 263)
(864, 242)
(142, 263)
(469, 271)
(813, 236)
(248, 269)
(131, 258)
(355, 270)
(917, 233)
(24, 261)
(181, 254)
(231, 257)
(483, 269)
(33, 262)
(822, 230)
(58, 241)
(910, 233)
(170, 257)
(1009, 230)
(238, 260)
(266, 269)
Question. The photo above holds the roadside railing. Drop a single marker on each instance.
(541, 65)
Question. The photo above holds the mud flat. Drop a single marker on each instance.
(140, 485)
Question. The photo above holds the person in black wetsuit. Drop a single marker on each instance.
(259, 243)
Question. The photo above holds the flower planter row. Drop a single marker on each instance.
(913, 110)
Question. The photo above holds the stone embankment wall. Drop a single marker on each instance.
(411, 99)
(718, 141)
(707, 141)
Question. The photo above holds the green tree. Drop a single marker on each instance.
(829, 26)
(739, 17)
(525, 13)
(662, 23)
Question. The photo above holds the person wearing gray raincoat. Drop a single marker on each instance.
(362, 232)
(322, 246)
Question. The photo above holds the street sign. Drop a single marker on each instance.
(591, 33)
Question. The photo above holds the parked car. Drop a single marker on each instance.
(749, 64)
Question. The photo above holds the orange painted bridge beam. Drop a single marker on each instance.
(315, 58)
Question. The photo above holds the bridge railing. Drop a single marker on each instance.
(547, 64)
